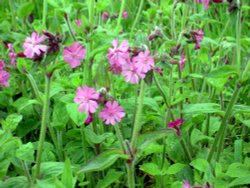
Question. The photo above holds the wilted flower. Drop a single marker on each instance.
(132, 73)
(176, 125)
(89, 119)
(118, 55)
(12, 54)
(33, 47)
(74, 54)
(53, 41)
(182, 62)
(186, 184)
(86, 97)
(144, 61)
(112, 113)
(105, 16)
(115, 68)
(159, 70)
(125, 14)
(197, 36)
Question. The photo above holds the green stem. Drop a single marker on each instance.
(120, 138)
(13, 14)
(190, 66)
(224, 121)
(173, 19)
(221, 133)
(181, 92)
(26, 171)
(238, 34)
(136, 19)
(163, 96)
(45, 9)
(69, 27)
(120, 16)
(91, 14)
(163, 160)
(137, 124)
(131, 176)
(34, 87)
(186, 150)
(45, 117)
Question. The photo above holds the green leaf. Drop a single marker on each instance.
(11, 122)
(111, 177)
(60, 116)
(237, 170)
(200, 164)
(238, 145)
(245, 180)
(197, 136)
(93, 138)
(77, 117)
(50, 169)
(67, 176)
(15, 182)
(151, 168)
(23, 102)
(25, 9)
(202, 108)
(175, 168)
(103, 161)
(241, 109)
(26, 152)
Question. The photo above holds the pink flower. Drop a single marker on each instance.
(125, 14)
(132, 73)
(206, 2)
(198, 36)
(89, 119)
(182, 62)
(105, 16)
(144, 61)
(78, 22)
(176, 125)
(86, 97)
(32, 45)
(12, 54)
(118, 55)
(115, 68)
(74, 54)
(159, 70)
(112, 113)
(186, 184)
(4, 76)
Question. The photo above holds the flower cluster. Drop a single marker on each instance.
(4, 76)
(133, 68)
(87, 97)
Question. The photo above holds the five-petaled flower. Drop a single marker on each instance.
(33, 47)
(176, 125)
(112, 113)
(144, 61)
(74, 54)
(87, 98)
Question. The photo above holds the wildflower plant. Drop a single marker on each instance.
(124, 93)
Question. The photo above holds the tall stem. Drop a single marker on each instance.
(173, 19)
(131, 175)
(120, 16)
(45, 10)
(137, 124)
(45, 117)
(221, 133)
(238, 34)
(136, 19)
(120, 138)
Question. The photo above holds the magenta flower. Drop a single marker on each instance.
(2, 64)
(74, 54)
(182, 62)
(115, 68)
(86, 97)
(12, 54)
(206, 2)
(132, 73)
(78, 22)
(125, 14)
(186, 184)
(89, 119)
(159, 70)
(144, 61)
(176, 125)
(33, 47)
(118, 55)
(112, 113)
(105, 16)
